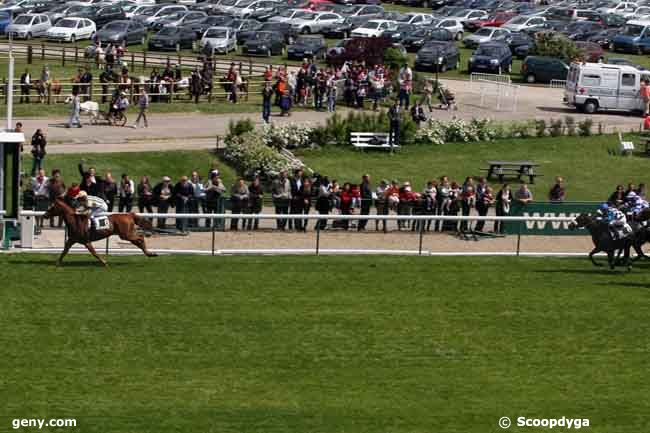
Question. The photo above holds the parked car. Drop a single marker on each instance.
(469, 15)
(418, 38)
(625, 62)
(618, 8)
(257, 9)
(123, 32)
(581, 30)
(5, 20)
(315, 22)
(604, 38)
(201, 26)
(72, 30)
(437, 55)
(519, 39)
(591, 52)
(371, 50)
(244, 25)
(172, 38)
(182, 18)
(415, 18)
(287, 15)
(372, 28)
(538, 69)
(494, 20)
(399, 32)
(282, 29)
(359, 10)
(634, 37)
(108, 13)
(344, 29)
(307, 47)
(522, 22)
(486, 34)
(219, 40)
(58, 12)
(27, 26)
(150, 15)
(491, 57)
(451, 24)
(265, 44)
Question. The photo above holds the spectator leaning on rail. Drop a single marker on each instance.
(503, 201)
(197, 203)
(557, 194)
(126, 191)
(256, 194)
(183, 193)
(296, 182)
(145, 195)
(214, 188)
(523, 194)
(281, 192)
(163, 197)
(110, 190)
(239, 196)
(41, 192)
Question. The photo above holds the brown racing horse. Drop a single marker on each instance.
(79, 232)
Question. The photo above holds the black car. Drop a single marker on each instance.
(604, 38)
(243, 35)
(99, 15)
(283, 29)
(491, 57)
(211, 21)
(399, 32)
(440, 55)
(519, 39)
(417, 38)
(344, 29)
(536, 69)
(582, 30)
(307, 47)
(243, 25)
(264, 44)
(172, 38)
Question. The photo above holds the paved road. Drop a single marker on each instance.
(197, 131)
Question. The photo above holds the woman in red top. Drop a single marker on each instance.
(346, 203)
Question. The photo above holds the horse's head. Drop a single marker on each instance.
(582, 220)
(644, 215)
(57, 208)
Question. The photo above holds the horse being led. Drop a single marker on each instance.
(604, 241)
(81, 232)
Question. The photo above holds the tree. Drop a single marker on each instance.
(553, 44)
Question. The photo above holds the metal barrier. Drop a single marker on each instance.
(557, 84)
(418, 219)
(494, 78)
(504, 94)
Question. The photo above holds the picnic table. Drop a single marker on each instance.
(517, 169)
(645, 136)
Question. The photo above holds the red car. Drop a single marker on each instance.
(592, 52)
(494, 20)
(307, 4)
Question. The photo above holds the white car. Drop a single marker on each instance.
(486, 34)
(227, 6)
(469, 15)
(315, 22)
(251, 7)
(153, 14)
(641, 11)
(287, 15)
(620, 8)
(220, 39)
(522, 22)
(415, 18)
(28, 26)
(373, 28)
(452, 24)
(72, 29)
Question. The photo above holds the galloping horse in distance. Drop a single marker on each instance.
(79, 231)
(603, 241)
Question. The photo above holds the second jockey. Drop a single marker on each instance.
(616, 221)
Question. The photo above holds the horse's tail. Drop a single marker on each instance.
(142, 222)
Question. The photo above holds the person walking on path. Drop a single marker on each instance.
(267, 94)
(74, 114)
(143, 105)
(394, 118)
(645, 96)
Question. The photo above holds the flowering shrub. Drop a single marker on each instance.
(250, 155)
(289, 136)
(457, 130)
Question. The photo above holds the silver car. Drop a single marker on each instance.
(486, 34)
(27, 26)
(315, 22)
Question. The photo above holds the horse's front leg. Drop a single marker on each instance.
(91, 248)
(591, 257)
(611, 260)
(66, 248)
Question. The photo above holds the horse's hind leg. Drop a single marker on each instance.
(91, 248)
(591, 257)
(139, 242)
(66, 248)
(610, 259)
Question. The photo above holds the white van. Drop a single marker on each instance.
(598, 86)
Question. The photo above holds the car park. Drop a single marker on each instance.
(344, 29)
(523, 22)
(538, 69)
(469, 15)
(72, 29)
(359, 10)
(618, 8)
(257, 9)
(172, 38)
(437, 55)
(581, 30)
(372, 28)
(634, 37)
(243, 25)
(106, 14)
(491, 57)
(58, 12)
(28, 26)
(399, 32)
(182, 18)
(486, 34)
(451, 24)
(151, 15)
(604, 38)
(415, 18)
(494, 20)
(307, 47)
(370, 49)
(201, 26)
(287, 15)
(315, 22)
(264, 44)
(122, 32)
(219, 39)
(282, 29)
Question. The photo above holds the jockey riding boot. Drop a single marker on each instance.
(93, 228)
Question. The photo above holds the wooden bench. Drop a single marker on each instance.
(626, 147)
(517, 169)
(371, 140)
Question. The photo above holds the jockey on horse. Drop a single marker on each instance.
(634, 205)
(615, 220)
(90, 206)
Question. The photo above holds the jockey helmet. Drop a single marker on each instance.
(631, 196)
(604, 207)
(81, 195)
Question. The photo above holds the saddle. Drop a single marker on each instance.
(99, 223)
(621, 233)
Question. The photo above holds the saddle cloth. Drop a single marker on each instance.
(101, 223)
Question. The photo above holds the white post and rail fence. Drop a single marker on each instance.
(417, 232)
